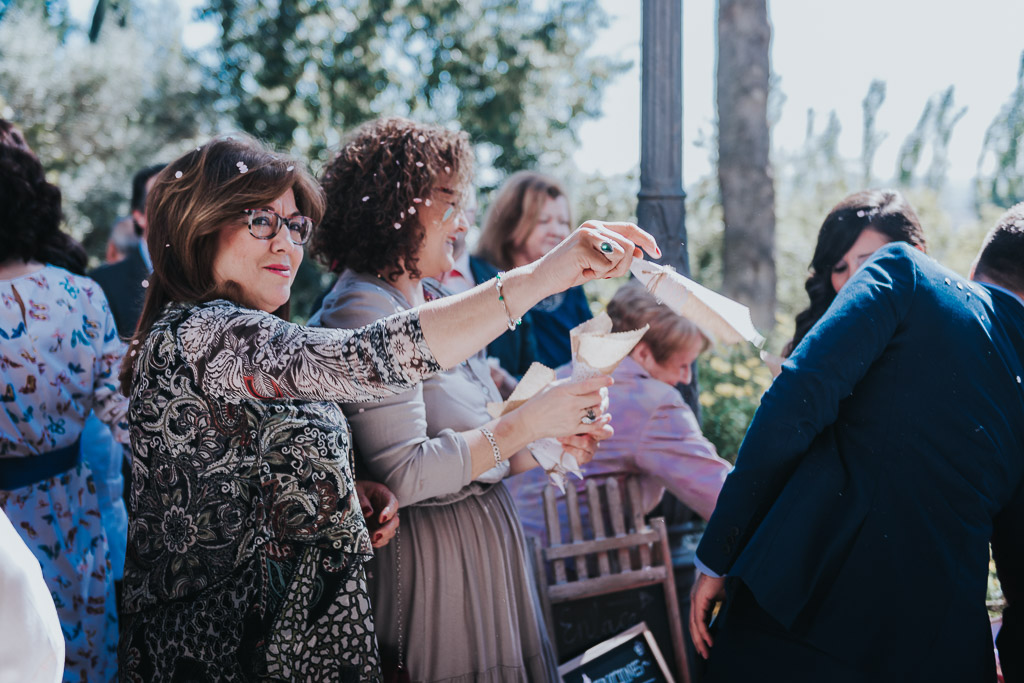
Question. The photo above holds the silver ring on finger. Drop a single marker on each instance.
(590, 418)
(606, 247)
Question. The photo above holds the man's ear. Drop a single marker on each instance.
(642, 354)
(140, 219)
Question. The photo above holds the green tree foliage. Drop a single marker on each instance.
(97, 112)
(1001, 164)
(514, 74)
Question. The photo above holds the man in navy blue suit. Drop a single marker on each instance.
(122, 282)
(851, 541)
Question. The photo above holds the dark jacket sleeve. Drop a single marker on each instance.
(804, 399)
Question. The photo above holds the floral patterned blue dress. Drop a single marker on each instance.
(59, 355)
(246, 540)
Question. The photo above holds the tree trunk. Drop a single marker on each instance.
(744, 172)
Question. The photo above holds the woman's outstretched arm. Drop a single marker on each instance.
(458, 326)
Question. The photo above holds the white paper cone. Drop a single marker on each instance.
(720, 319)
(596, 350)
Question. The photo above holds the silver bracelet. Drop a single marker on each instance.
(494, 445)
(512, 322)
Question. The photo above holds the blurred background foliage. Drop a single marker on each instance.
(732, 381)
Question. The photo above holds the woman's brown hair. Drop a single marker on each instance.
(514, 215)
(190, 201)
(633, 306)
(384, 170)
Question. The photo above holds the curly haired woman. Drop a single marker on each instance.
(454, 595)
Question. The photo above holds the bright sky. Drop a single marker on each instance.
(826, 54)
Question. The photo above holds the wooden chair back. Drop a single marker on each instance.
(610, 548)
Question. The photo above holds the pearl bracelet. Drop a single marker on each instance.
(494, 444)
(512, 322)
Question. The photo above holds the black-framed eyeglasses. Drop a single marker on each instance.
(264, 224)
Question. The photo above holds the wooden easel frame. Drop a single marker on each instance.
(631, 549)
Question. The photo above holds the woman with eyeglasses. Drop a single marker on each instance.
(246, 538)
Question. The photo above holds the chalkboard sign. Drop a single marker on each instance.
(633, 655)
(581, 624)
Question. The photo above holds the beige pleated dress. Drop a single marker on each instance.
(455, 585)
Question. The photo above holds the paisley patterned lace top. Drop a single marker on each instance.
(241, 485)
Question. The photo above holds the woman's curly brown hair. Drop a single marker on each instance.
(383, 171)
(30, 213)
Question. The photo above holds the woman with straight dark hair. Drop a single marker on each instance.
(246, 537)
(855, 227)
(58, 356)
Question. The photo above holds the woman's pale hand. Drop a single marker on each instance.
(559, 410)
(595, 250)
(380, 509)
(584, 447)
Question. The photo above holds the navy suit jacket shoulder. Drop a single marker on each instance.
(871, 474)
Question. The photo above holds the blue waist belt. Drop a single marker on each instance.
(24, 470)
